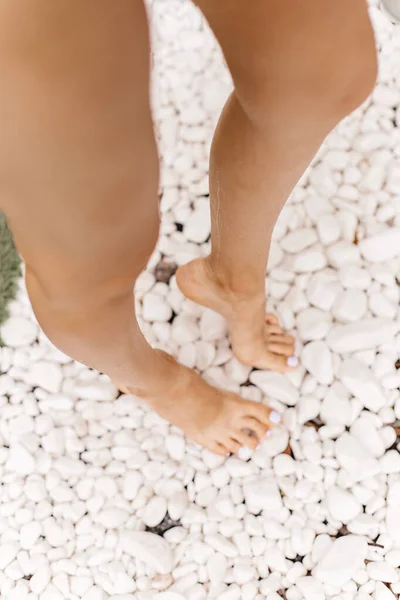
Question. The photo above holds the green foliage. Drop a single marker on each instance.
(10, 268)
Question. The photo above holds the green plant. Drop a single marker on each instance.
(10, 268)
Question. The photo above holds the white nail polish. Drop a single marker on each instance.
(292, 361)
(275, 417)
(268, 434)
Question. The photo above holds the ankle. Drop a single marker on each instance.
(241, 284)
(167, 376)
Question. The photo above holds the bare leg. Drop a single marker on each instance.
(79, 178)
(298, 68)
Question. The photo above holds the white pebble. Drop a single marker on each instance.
(317, 359)
(151, 549)
(45, 375)
(155, 308)
(18, 332)
(155, 511)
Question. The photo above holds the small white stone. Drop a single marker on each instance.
(100, 557)
(132, 483)
(276, 386)
(322, 181)
(175, 445)
(112, 518)
(54, 534)
(276, 443)
(45, 375)
(317, 359)
(313, 324)
(155, 308)
(362, 383)
(336, 408)
(151, 549)
(198, 226)
(100, 390)
(367, 142)
(20, 460)
(393, 523)
(296, 241)
(219, 543)
(212, 326)
(262, 494)
(364, 429)
(380, 306)
(381, 247)
(8, 552)
(40, 580)
(18, 332)
(69, 467)
(361, 335)
(323, 289)
(388, 96)
(393, 557)
(354, 457)
(342, 560)
(337, 159)
(328, 228)
(52, 593)
(155, 511)
(95, 593)
(342, 505)
(217, 566)
(350, 305)
(284, 465)
(390, 462)
(122, 583)
(177, 505)
(343, 253)
(309, 261)
(30, 534)
(184, 329)
(382, 571)
(276, 561)
(311, 588)
(382, 592)
(353, 277)
(80, 585)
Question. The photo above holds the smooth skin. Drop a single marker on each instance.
(79, 179)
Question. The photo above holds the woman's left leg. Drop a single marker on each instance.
(299, 67)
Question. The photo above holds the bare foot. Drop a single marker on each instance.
(218, 420)
(257, 339)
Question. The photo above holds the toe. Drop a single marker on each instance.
(280, 348)
(264, 414)
(219, 449)
(279, 362)
(232, 445)
(281, 339)
(271, 318)
(257, 427)
(274, 330)
(246, 440)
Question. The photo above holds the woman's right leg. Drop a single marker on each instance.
(79, 179)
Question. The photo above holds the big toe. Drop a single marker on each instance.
(277, 361)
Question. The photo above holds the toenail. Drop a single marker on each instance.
(292, 361)
(268, 433)
(274, 417)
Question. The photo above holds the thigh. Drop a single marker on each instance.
(276, 46)
(78, 160)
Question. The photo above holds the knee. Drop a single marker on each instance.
(317, 93)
